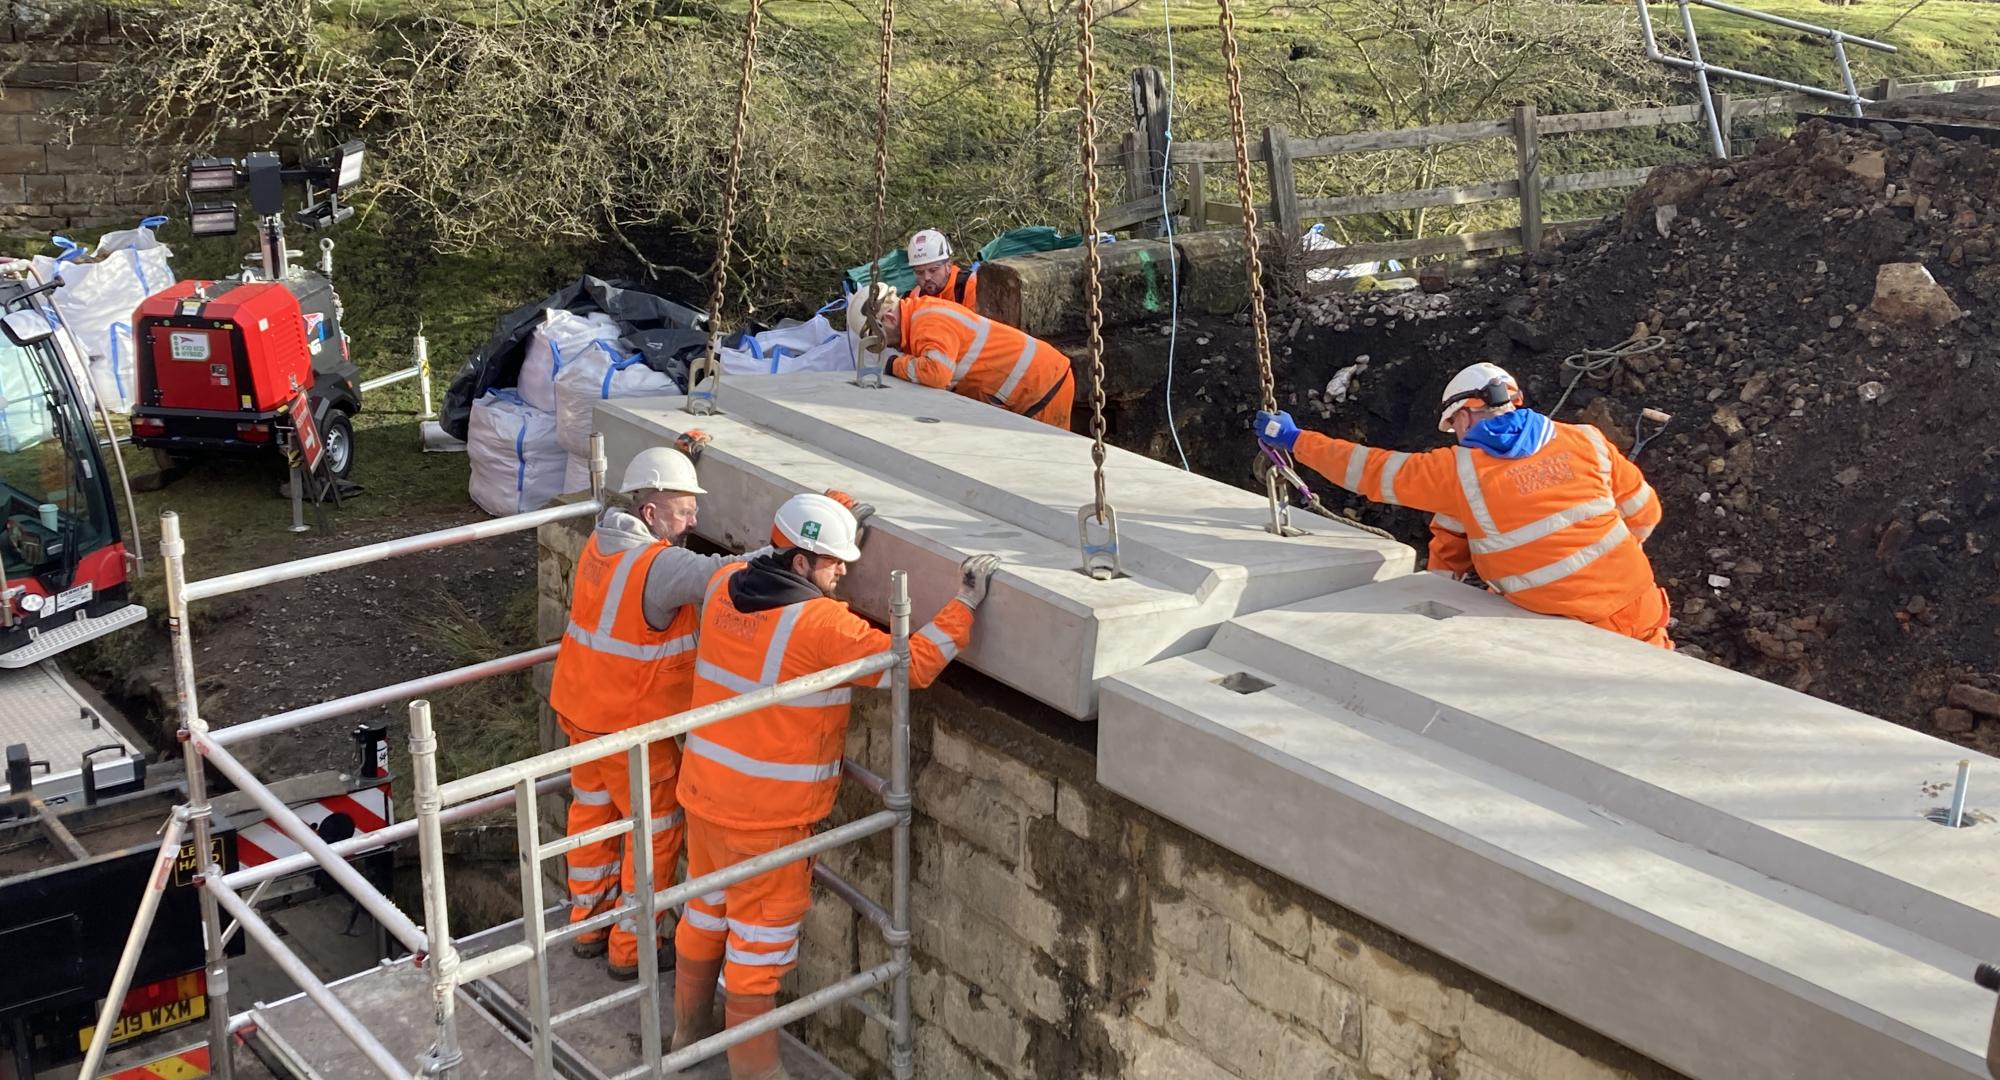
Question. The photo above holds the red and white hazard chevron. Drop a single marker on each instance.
(191, 1064)
(363, 811)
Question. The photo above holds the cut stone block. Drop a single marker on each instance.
(1726, 876)
(950, 477)
(1042, 293)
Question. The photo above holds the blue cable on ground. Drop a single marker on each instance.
(1167, 214)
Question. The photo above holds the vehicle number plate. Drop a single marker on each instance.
(73, 597)
(133, 1025)
(188, 346)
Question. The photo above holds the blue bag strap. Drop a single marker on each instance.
(154, 222)
(71, 250)
(617, 365)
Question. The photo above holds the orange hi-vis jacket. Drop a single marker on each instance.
(780, 765)
(613, 670)
(962, 288)
(1557, 532)
(948, 347)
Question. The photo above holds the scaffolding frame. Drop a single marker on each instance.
(520, 785)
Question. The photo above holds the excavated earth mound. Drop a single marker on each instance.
(1831, 474)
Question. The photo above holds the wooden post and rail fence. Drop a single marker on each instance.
(1139, 154)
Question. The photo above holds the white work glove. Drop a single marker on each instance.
(975, 576)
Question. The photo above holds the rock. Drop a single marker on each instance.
(1754, 388)
(1525, 334)
(1933, 522)
(1952, 721)
(1870, 166)
(1968, 696)
(1667, 186)
(1870, 391)
(1907, 294)
(1725, 418)
(1846, 477)
(1598, 414)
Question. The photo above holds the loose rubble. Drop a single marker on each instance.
(1831, 472)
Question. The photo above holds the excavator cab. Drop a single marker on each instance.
(62, 558)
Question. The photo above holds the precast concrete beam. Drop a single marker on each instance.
(1726, 876)
(950, 477)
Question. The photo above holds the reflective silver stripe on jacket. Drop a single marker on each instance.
(702, 920)
(662, 824)
(764, 935)
(587, 797)
(1448, 523)
(1637, 502)
(758, 959)
(1014, 377)
(1643, 534)
(1389, 470)
(738, 684)
(594, 873)
(619, 647)
(763, 770)
(1538, 530)
(939, 638)
(1564, 567)
(1475, 500)
(602, 640)
(1357, 465)
(1603, 452)
(979, 327)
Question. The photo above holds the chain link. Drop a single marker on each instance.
(1093, 289)
(871, 309)
(1253, 265)
(711, 364)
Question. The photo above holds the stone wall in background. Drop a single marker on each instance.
(46, 183)
(1061, 931)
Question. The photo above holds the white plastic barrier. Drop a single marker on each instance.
(1315, 241)
(98, 297)
(599, 374)
(516, 464)
(563, 337)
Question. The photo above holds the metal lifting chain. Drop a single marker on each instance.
(1099, 560)
(703, 401)
(1252, 264)
(1280, 522)
(874, 344)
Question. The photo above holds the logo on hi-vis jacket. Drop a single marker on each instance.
(810, 530)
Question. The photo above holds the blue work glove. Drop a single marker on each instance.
(1276, 430)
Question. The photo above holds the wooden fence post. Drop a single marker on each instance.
(1528, 155)
(1725, 119)
(1132, 158)
(1197, 197)
(1284, 187)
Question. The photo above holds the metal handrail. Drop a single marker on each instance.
(1702, 69)
(201, 746)
(408, 690)
(449, 971)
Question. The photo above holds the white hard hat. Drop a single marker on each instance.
(1468, 387)
(927, 247)
(660, 468)
(819, 525)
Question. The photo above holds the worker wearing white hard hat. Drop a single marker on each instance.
(930, 259)
(1551, 515)
(627, 658)
(758, 781)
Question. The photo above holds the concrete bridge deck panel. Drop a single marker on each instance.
(950, 477)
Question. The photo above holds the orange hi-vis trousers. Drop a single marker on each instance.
(752, 926)
(601, 873)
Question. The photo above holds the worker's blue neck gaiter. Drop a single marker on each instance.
(1516, 434)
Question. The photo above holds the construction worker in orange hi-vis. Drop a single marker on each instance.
(627, 658)
(1551, 515)
(938, 343)
(929, 254)
(757, 782)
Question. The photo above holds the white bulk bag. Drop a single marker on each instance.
(1315, 241)
(808, 346)
(576, 475)
(562, 337)
(516, 464)
(99, 295)
(599, 374)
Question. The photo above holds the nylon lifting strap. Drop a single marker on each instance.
(1280, 522)
(1097, 521)
(871, 358)
(705, 381)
